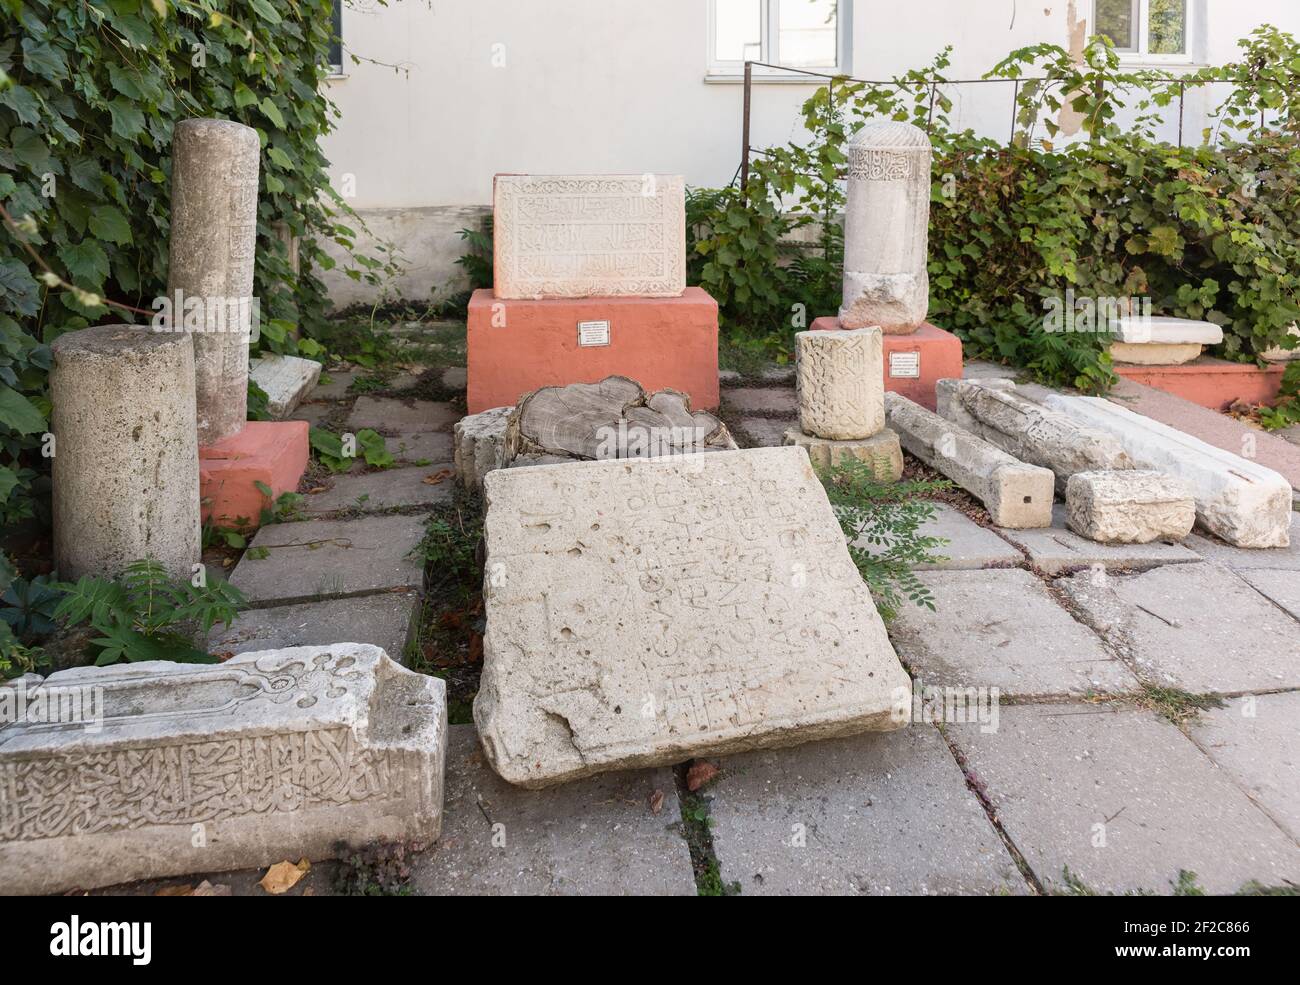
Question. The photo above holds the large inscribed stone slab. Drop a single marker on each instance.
(640, 612)
(596, 235)
(271, 755)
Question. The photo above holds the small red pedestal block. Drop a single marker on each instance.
(274, 453)
(517, 346)
(914, 363)
(1213, 383)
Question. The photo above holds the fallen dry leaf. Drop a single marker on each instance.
(317, 489)
(283, 876)
(657, 801)
(174, 891)
(206, 888)
(436, 477)
(700, 773)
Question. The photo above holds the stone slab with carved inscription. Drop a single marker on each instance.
(175, 768)
(641, 612)
(594, 235)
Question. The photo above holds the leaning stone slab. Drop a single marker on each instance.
(480, 445)
(285, 379)
(840, 382)
(1242, 502)
(1134, 506)
(1030, 431)
(594, 235)
(271, 755)
(1015, 494)
(881, 451)
(640, 612)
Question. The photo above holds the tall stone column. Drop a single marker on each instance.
(886, 229)
(126, 458)
(840, 378)
(213, 238)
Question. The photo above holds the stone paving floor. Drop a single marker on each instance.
(1147, 728)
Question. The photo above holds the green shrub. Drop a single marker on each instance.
(89, 93)
(1205, 231)
(146, 615)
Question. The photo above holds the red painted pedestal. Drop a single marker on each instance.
(274, 453)
(517, 346)
(914, 363)
(1213, 383)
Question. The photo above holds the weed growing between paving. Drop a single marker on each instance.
(696, 828)
(449, 639)
(380, 869)
(1175, 704)
(881, 522)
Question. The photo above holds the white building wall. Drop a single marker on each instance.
(563, 86)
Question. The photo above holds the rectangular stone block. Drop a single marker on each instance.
(840, 384)
(641, 612)
(285, 379)
(912, 364)
(594, 235)
(1237, 499)
(1133, 506)
(516, 347)
(1015, 494)
(994, 411)
(274, 755)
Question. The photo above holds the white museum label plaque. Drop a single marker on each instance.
(905, 365)
(593, 333)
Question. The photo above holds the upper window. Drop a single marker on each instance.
(335, 57)
(806, 34)
(1147, 30)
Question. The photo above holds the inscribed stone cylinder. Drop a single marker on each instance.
(886, 229)
(840, 379)
(126, 462)
(213, 237)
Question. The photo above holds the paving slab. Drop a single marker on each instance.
(755, 400)
(337, 387)
(1281, 587)
(1056, 549)
(1124, 800)
(315, 559)
(314, 414)
(384, 490)
(1002, 628)
(886, 814)
(599, 836)
(765, 432)
(455, 377)
(1243, 558)
(431, 446)
(1255, 740)
(1198, 627)
(969, 546)
(383, 620)
(393, 415)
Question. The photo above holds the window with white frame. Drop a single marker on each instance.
(807, 34)
(1148, 30)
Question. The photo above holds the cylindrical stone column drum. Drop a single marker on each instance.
(886, 229)
(840, 380)
(213, 238)
(126, 457)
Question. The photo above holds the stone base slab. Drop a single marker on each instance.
(274, 453)
(285, 380)
(518, 346)
(1154, 353)
(930, 353)
(1213, 383)
(882, 451)
(273, 755)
